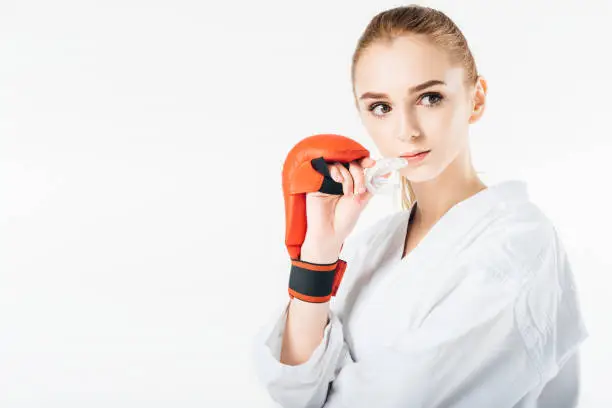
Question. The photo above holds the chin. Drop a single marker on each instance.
(419, 174)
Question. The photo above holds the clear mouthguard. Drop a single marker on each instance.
(383, 178)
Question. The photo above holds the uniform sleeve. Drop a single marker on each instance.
(305, 385)
(550, 318)
(501, 329)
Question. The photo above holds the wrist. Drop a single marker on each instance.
(319, 253)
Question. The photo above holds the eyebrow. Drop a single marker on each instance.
(416, 88)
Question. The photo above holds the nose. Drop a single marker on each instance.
(408, 127)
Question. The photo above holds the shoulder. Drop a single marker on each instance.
(519, 242)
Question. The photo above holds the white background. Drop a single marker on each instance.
(141, 211)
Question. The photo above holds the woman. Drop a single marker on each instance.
(465, 298)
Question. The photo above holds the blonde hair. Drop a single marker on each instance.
(415, 19)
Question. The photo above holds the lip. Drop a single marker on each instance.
(415, 155)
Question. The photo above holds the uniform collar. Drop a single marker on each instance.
(444, 237)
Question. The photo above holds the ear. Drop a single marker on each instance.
(480, 94)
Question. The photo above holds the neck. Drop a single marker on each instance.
(435, 197)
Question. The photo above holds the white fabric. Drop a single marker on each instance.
(482, 313)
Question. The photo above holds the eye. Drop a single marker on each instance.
(381, 112)
(434, 99)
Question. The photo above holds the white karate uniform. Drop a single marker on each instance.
(482, 313)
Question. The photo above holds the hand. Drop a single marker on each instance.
(331, 218)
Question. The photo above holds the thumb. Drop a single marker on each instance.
(364, 198)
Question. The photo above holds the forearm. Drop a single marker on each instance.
(306, 321)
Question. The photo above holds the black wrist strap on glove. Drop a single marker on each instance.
(315, 283)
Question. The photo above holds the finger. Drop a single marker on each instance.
(358, 178)
(367, 162)
(335, 173)
(347, 183)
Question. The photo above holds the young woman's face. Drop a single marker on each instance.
(401, 119)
